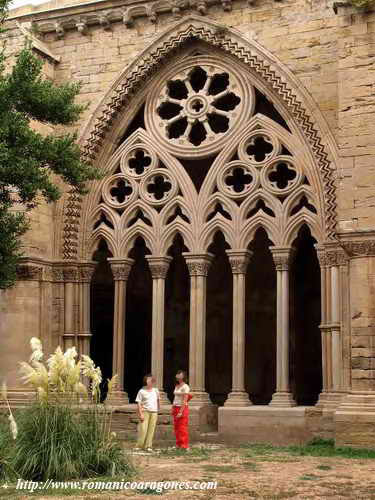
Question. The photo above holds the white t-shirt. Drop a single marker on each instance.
(179, 394)
(148, 399)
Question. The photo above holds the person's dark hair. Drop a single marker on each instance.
(184, 376)
(146, 377)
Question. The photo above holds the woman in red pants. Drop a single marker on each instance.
(180, 411)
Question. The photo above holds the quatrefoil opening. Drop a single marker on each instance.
(281, 176)
(158, 187)
(238, 179)
(138, 160)
(258, 148)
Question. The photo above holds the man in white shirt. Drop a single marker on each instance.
(148, 400)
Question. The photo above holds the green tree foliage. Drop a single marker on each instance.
(28, 159)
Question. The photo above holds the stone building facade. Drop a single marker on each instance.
(233, 234)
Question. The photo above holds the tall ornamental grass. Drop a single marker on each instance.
(66, 432)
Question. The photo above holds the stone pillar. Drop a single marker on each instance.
(282, 257)
(120, 270)
(198, 265)
(86, 271)
(330, 258)
(159, 268)
(70, 273)
(354, 417)
(239, 260)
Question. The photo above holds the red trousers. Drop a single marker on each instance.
(181, 425)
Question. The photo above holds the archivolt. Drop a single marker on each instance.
(275, 76)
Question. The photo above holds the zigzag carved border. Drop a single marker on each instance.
(149, 65)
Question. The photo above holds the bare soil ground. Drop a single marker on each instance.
(247, 472)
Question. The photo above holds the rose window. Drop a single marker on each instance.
(238, 179)
(198, 105)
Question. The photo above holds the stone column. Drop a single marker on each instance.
(282, 257)
(86, 271)
(70, 273)
(330, 259)
(159, 268)
(120, 270)
(239, 260)
(198, 265)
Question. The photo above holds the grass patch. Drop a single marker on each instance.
(219, 468)
(309, 477)
(314, 448)
(199, 452)
(324, 467)
(250, 466)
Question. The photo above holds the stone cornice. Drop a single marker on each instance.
(81, 16)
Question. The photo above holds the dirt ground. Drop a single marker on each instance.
(248, 472)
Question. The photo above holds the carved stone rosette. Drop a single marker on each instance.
(158, 266)
(239, 260)
(283, 257)
(121, 268)
(198, 265)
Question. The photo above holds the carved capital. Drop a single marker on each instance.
(331, 256)
(86, 271)
(121, 268)
(158, 266)
(364, 248)
(198, 264)
(283, 257)
(57, 274)
(29, 272)
(239, 260)
(70, 274)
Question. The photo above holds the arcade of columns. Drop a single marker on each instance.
(74, 280)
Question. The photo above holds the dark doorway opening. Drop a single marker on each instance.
(102, 300)
(219, 323)
(305, 307)
(260, 354)
(138, 322)
(177, 316)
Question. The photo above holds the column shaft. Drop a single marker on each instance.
(239, 261)
(198, 266)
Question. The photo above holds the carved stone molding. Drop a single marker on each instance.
(190, 30)
(239, 260)
(71, 274)
(86, 271)
(105, 15)
(364, 248)
(283, 257)
(329, 257)
(29, 272)
(121, 268)
(158, 266)
(198, 265)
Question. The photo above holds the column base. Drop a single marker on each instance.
(117, 398)
(283, 399)
(329, 400)
(200, 398)
(238, 398)
(355, 420)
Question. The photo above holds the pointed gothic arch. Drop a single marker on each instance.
(102, 133)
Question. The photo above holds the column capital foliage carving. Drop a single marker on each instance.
(85, 272)
(283, 257)
(364, 248)
(332, 256)
(158, 266)
(121, 268)
(198, 265)
(239, 260)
